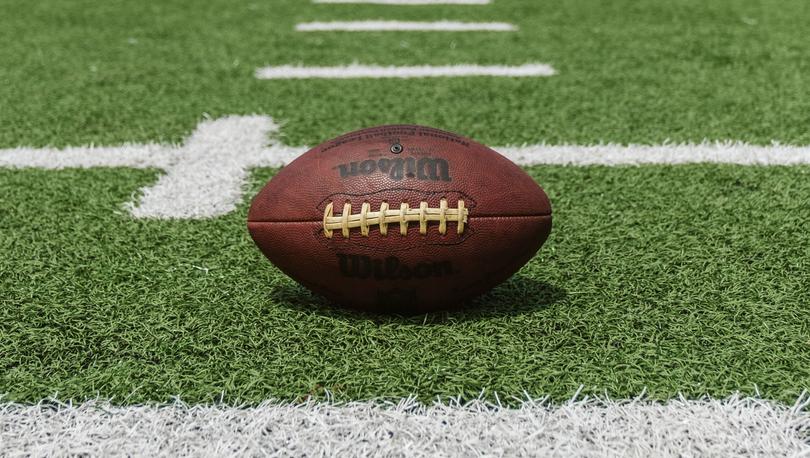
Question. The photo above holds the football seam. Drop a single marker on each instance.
(320, 221)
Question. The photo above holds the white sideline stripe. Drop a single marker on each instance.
(205, 177)
(410, 2)
(404, 26)
(424, 71)
(732, 427)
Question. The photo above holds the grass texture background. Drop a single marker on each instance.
(691, 279)
(687, 279)
(629, 71)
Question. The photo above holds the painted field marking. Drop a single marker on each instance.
(409, 2)
(723, 152)
(421, 71)
(203, 178)
(732, 427)
(206, 176)
(405, 26)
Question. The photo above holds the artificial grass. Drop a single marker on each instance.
(690, 279)
(674, 279)
(629, 71)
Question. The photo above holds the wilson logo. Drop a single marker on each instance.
(390, 268)
(423, 168)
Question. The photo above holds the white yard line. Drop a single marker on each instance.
(727, 152)
(204, 181)
(732, 427)
(205, 177)
(422, 71)
(404, 26)
(410, 2)
(150, 155)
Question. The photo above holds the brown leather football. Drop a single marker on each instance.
(405, 219)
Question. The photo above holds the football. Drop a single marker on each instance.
(403, 219)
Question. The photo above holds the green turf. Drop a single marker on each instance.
(76, 72)
(689, 279)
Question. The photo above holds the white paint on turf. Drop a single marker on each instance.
(589, 428)
(404, 26)
(210, 170)
(410, 2)
(422, 71)
(145, 156)
(205, 177)
(725, 152)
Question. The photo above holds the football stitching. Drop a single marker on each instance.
(385, 216)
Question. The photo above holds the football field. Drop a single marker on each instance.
(668, 313)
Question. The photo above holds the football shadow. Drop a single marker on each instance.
(517, 296)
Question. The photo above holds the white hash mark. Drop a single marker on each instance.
(410, 2)
(423, 71)
(405, 26)
(205, 177)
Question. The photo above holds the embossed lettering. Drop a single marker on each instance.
(425, 168)
(390, 268)
(384, 165)
(347, 170)
(368, 167)
(354, 266)
(397, 169)
(410, 167)
(434, 169)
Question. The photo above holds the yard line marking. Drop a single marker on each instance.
(422, 71)
(410, 2)
(204, 182)
(404, 26)
(205, 177)
(146, 156)
(722, 152)
(590, 427)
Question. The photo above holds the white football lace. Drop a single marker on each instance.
(385, 216)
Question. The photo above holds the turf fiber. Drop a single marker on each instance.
(688, 279)
(106, 72)
(670, 279)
